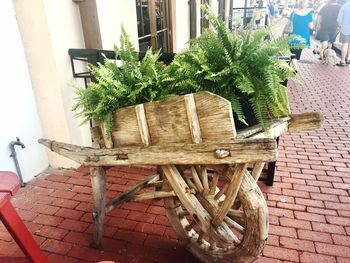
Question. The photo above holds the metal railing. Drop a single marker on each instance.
(95, 56)
(242, 16)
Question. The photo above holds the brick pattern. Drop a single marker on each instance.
(310, 199)
(309, 204)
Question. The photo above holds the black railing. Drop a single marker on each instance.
(242, 16)
(95, 56)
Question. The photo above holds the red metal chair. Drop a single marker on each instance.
(9, 185)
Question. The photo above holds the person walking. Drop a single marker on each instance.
(344, 24)
(301, 20)
(326, 24)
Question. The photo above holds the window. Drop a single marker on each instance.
(204, 21)
(153, 25)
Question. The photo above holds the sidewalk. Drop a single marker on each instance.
(309, 204)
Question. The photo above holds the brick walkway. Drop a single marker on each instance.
(309, 203)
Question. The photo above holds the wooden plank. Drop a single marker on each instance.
(127, 194)
(107, 136)
(142, 123)
(305, 121)
(167, 121)
(241, 151)
(193, 118)
(274, 132)
(249, 132)
(174, 120)
(215, 117)
(126, 128)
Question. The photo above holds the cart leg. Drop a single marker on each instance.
(98, 182)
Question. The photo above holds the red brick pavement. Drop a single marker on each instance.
(309, 203)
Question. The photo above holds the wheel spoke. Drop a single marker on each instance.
(232, 192)
(237, 216)
(258, 167)
(200, 237)
(196, 180)
(221, 192)
(202, 170)
(240, 236)
(191, 225)
(183, 214)
(234, 224)
(214, 183)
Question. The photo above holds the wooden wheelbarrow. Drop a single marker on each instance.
(211, 199)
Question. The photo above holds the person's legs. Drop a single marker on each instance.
(296, 53)
(344, 48)
(344, 51)
(347, 58)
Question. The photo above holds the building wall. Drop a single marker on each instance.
(112, 14)
(18, 111)
(181, 28)
(48, 29)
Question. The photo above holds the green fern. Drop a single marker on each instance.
(242, 66)
(128, 83)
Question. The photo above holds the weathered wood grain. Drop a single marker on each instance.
(305, 121)
(241, 151)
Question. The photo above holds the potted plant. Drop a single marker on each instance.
(242, 67)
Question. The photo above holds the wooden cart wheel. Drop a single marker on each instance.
(239, 237)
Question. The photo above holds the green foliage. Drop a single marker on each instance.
(242, 66)
(120, 84)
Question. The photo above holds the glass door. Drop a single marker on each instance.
(153, 24)
(204, 21)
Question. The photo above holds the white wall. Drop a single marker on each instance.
(112, 14)
(48, 29)
(181, 24)
(64, 34)
(18, 112)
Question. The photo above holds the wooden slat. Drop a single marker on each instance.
(215, 117)
(193, 118)
(126, 129)
(127, 194)
(202, 116)
(167, 121)
(241, 151)
(107, 136)
(274, 132)
(305, 121)
(142, 123)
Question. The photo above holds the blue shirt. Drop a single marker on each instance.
(271, 9)
(344, 19)
(301, 27)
